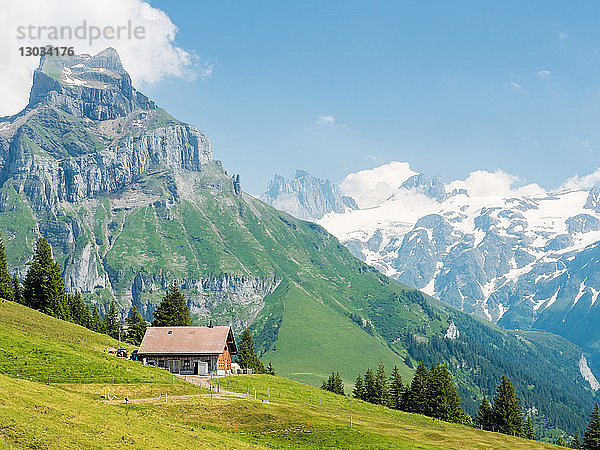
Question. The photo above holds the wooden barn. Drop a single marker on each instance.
(189, 350)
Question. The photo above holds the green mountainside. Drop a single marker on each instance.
(131, 200)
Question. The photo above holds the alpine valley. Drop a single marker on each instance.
(131, 199)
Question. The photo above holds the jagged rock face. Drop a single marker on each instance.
(522, 262)
(305, 196)
(433, 188)
(89, 160)
(593, 200)
(86, 132)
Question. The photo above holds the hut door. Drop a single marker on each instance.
(195, 367)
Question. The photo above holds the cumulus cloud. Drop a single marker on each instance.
(372, 187)
(581, 182)
(148, 60)
(482, 183)
(325, 120)
(543, 74)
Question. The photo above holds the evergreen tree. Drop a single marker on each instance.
(270, 369)
(485, 416)
(111, 321)
(576, 442)
(381, 386)
(334, 384)
(78, 310)
(417, 392)
(369, 392)
(96, 324)
(358, 391)
(247, 355)
(173, 311)
(44, 286)
(6, 283)
(136, 326)
(507, 414)
(18, 290)
(443, 401)
(591, 439)
(560, 441)
(396, 390)
(528, 432)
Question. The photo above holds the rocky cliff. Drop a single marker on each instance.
(305, 196)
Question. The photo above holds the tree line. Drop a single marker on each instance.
(44, 290)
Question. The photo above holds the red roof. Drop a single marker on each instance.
(187, 340)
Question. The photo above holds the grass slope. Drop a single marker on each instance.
(71, 414)
(310, 322)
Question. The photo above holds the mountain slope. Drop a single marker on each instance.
(518, 256)
(132, 199)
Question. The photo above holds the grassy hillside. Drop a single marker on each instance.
(36, 347)
(72, 413)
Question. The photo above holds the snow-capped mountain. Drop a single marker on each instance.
(522, 257)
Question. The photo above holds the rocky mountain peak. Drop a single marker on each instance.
(433, 188)
(305, 196)
(96, 87)
(87, 132)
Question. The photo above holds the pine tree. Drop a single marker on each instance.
(528, 432)
(334, 384)
(247, 355)
(507, 414)
(96, 324)
(369, 392)
(136, 326)
(18, 290)
(591, 439)
(381, 386)
(44, 286)
(396, 390)
(6, 282)
(485, 416)
(576, 441)
(443, 401)
(270, 369)
(358, 391)
(111, 321)
(78, 310)
(173, 311)
(417, 392)
(338, 384)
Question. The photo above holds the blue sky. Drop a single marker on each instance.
(450, 88)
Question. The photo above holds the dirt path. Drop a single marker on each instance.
(193, 379)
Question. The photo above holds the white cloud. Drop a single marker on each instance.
(207, 70)
(325, 120)
(583, 182)
(147, 60)
(372, 187)
(482, 183)
(515, 85)
(562, 35)
(543, 74)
